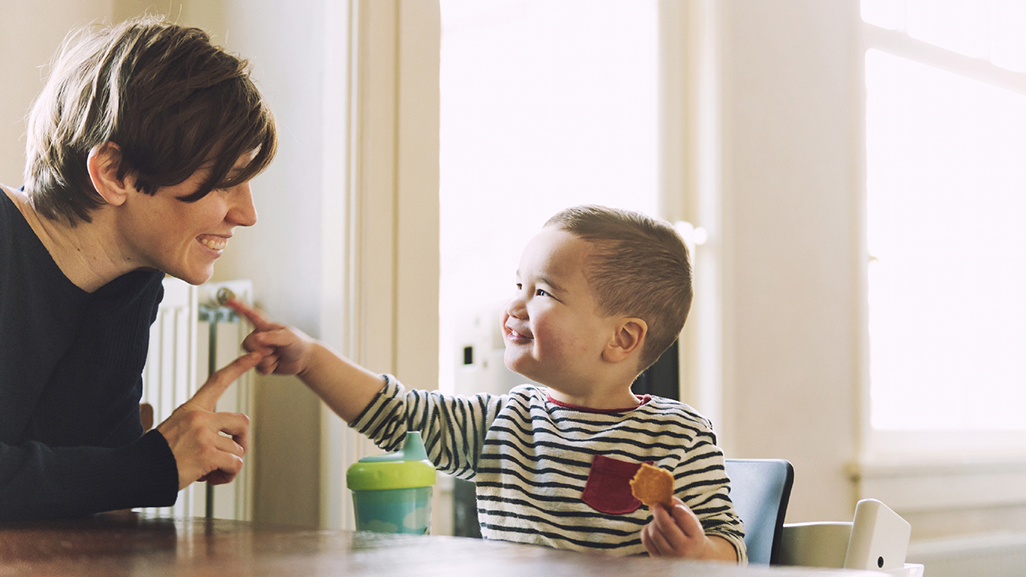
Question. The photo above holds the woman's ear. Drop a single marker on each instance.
(627, 340)
(104, 164)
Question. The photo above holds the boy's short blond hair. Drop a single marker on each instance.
(639, 268)
(171, 100)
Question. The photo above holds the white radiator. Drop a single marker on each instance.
(189, 327)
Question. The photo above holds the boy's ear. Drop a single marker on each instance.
(104, 163)
(627, 340)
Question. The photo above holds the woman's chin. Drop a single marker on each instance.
(193, 277)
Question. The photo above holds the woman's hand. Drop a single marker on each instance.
(193, 431)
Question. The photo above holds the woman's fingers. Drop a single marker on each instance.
(227, 468)
(209, 445)
(207, 395)
(236, 427)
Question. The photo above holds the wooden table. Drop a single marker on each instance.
(130, 544)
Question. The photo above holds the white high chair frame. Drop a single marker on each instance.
(876, 539)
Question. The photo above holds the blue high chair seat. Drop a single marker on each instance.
(760, 490)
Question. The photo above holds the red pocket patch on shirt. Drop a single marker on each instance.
(608, 489)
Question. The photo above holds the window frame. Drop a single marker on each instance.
(925, 470)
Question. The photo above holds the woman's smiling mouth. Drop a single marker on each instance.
(214, 242)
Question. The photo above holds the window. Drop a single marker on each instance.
(544, 105)
(945, 143)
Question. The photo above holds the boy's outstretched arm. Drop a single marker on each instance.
(342, 384)
(678, 533)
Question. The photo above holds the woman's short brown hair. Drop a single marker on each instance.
(639, 268)
(169, 99)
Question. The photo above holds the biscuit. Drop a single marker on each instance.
(652, 485)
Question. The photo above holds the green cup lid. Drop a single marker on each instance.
(407, 468)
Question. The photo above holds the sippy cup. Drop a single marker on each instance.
(392, 493)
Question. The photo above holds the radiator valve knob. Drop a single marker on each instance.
(223, 294)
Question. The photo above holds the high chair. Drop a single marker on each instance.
(760, 489)
(876, 539)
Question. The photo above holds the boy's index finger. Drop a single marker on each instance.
(251, 314)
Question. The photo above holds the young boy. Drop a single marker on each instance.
(600, 294)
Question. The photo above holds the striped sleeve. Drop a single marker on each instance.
(453, 427)
(701, 482)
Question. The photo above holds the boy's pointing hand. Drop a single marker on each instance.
(285, 349)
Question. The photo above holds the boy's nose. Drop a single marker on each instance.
(515, 308)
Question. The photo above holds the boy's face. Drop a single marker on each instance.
(553, 332)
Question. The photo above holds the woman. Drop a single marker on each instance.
(140, 151)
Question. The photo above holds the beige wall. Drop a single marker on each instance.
(282, 254)
(791, 248)
(347, 204)
(30, 32)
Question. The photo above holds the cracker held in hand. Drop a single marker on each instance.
(652, 485)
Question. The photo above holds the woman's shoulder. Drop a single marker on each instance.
(10, 203)
(14, 200)
(11, 193)
(17, 239)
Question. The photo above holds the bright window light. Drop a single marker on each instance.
(945, 187)
(959, 25)
(1007, 40)
(544, 105)
(990, 30)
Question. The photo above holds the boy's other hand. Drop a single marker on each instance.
(676, 532)
(285, 348)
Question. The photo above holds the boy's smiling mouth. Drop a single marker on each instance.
(515, 336)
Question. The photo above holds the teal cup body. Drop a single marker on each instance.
(393, 510)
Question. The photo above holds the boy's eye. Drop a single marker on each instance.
(519, 286)
(541, 293)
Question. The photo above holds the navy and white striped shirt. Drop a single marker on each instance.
(532, 457)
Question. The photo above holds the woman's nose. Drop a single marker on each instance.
(242, 211)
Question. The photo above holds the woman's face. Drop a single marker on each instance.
(183, 239)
